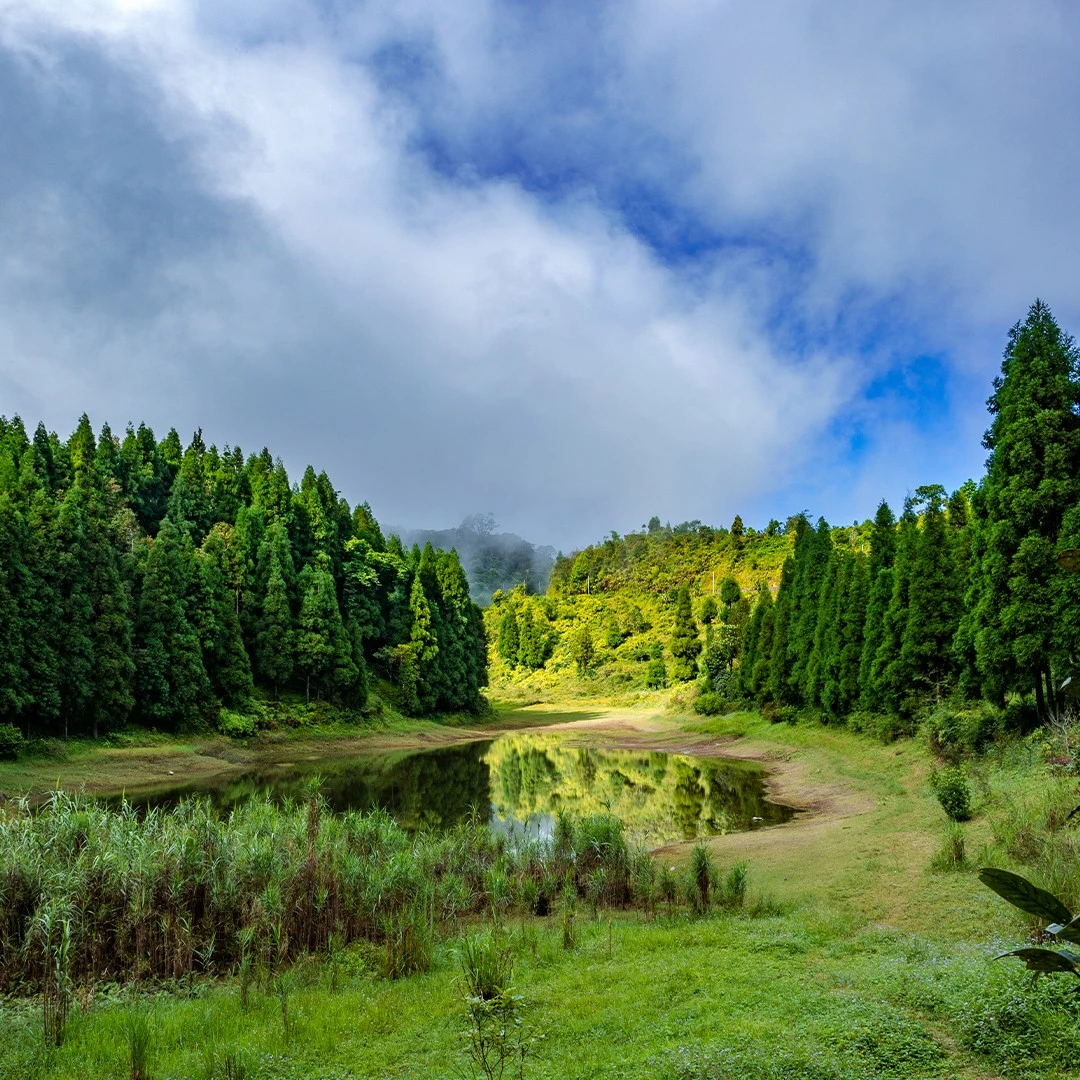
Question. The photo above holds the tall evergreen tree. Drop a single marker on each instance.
(685, 642)
(926, 648)
(1032, 480)
(218, 624)
(173, 685)
(879, 578)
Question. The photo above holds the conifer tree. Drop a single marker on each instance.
(274, 640)
(13, 676)
(879, 579)
(1032, 480)
(926, 648)
(224, 656)
(843, 694)
(685, 643)
(323, 650)
(813, 554)
(424, 646)
(775, 688)
(172, 681)
(891, 671)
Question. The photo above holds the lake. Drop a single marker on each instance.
(519, 782)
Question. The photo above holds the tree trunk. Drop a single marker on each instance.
(1040, 698)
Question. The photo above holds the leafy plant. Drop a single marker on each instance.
(952, 791)
(496, 1039)
(11, 742)
(1062, 925)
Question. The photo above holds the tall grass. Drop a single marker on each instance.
(95, 893)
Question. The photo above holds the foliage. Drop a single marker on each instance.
(12, 742)
(953, 792)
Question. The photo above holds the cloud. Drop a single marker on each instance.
(574, 264)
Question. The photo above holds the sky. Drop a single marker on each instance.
(573, 264)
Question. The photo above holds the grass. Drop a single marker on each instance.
(677, 997)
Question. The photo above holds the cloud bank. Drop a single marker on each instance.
(572, 264)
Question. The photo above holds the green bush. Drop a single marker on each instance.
(656, 675)
(954, 730)
(952, 790)
(11, 742)
(709, 704)
(236, 725)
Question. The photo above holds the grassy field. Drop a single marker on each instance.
(852, 958)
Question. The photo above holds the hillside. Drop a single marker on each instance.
(609, 611)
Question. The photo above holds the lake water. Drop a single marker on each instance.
(519, 782)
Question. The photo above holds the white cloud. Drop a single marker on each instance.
(451, 339)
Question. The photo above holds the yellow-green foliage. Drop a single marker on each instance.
(623, 591)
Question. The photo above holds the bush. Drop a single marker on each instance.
(656, 675)
(709, 704)
(885, 727)
(236, 725)
(11, 742)
(952, 790)
(954, 730)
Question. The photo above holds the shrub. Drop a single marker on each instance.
(951, 855)
(703, 876)
(656, 675)
(885, 727)
(952, 790)
(733, 893)
(11, 742)
(709, 704)
(965, 729)
(236, 725)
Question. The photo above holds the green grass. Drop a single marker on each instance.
(803, 994)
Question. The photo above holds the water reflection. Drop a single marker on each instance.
(520, 782)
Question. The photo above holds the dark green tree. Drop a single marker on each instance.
(685, 642)
(173, 687)
(1032, 480)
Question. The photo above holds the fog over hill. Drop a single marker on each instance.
(492, 560)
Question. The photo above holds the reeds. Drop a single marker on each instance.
(92, 892)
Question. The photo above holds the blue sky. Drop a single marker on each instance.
(573, 264)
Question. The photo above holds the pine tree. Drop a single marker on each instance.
(323, 650)
(891, 671)
(1032, 480)
(879, 578)
(685, 643)
(813, 553)
(926, 649)
(171, 678)
(218, 625)
(274, 641)
(424, 645)
(14, 690)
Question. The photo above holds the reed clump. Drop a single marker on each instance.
(90, 892)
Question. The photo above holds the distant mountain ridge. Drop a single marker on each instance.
(492, 560)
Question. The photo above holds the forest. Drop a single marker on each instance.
(150, 583)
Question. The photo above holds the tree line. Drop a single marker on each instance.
(148, 582)
(961, 594)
